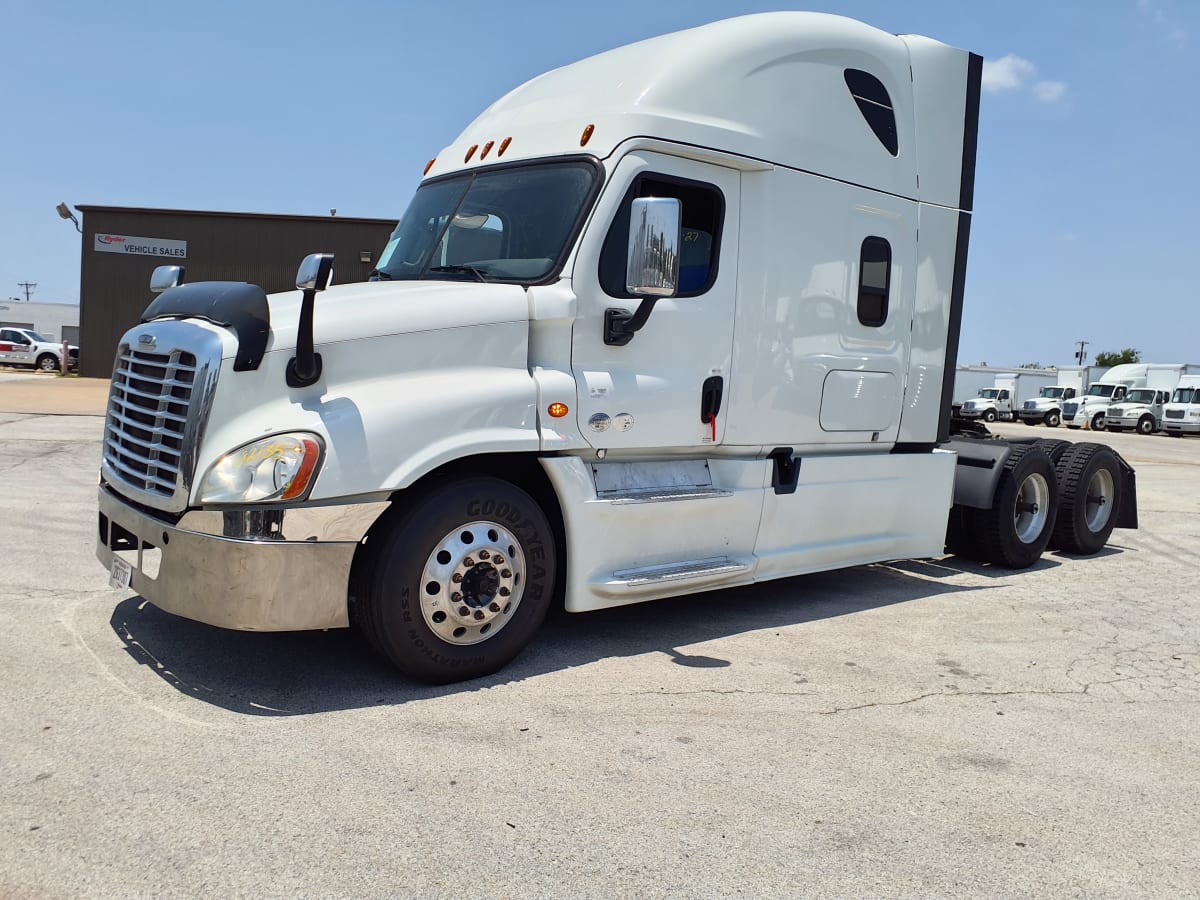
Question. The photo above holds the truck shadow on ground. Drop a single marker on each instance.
(299, 673)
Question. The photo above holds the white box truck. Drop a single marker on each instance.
(1091, 410)
(1070, 384)
(1182, 415)
(658, 322)
(1007, 393)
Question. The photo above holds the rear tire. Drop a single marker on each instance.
(1145, 425)
(461, 582)
(1090, 488)
(1016, 530)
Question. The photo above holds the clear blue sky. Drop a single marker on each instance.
(1085, 193)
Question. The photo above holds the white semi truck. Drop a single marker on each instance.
(658, 322)
(1182, 415)
(1007, 393)
(1091, 410)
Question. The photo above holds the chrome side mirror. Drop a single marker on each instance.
(165, 278)
(652, 266)
(314, 272)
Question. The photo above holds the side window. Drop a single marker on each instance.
(875, 105)
(703, 209)
(874, 281)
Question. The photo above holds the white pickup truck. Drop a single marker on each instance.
(24, 347)
(658, 322)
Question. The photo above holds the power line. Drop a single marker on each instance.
(28, 287)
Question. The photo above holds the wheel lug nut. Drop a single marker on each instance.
(498, 559)
(483, 554)
(455, 597)
(503, 592)
(494, 607)
(463, 611)
(506, 573)
(457, 579)
(479, 614)
(468, 561)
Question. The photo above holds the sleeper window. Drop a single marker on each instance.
(703, 210)
(874, 281)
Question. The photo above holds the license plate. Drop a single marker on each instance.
(121, 573)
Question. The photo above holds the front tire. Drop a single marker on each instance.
(1098, 422)
(1053, 419)
(1090, 488)
(1015, 531)
(1145, 425)
(461, 582)
(989, 415)
(47, 362)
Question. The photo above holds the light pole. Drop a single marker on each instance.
(64, 211)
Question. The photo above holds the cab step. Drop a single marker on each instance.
(663, 495)
(649, 578)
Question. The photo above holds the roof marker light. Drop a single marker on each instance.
(428, 166)
(504, 146)
(587, 135)
(487, 148)
(470, 153)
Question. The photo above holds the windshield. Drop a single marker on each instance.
(1186, 395)
(989, 393)
(1140, 397)
(1100, 390)
(36, 336)
(512, 224)
(1052, 392)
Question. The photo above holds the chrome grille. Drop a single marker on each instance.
(1174, 413)
(1069, 410)
(148, 408)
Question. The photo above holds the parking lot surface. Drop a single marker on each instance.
(916, 728)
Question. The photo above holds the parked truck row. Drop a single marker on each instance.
(1131, 397)
(657, 322)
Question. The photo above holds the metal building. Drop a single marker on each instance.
(122, 246)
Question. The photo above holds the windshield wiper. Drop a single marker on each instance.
(478, 274)
(376, 275)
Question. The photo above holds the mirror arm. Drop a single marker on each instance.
(621, 325)
(305, 367)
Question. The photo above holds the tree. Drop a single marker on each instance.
(1108, 360)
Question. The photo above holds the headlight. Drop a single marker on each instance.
(1194, 412)
(280, 467)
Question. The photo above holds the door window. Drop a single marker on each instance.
(703, 211)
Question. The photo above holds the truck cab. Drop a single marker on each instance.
(992, 403)
(1046, 408)
(1141, 410)
(1182, 414)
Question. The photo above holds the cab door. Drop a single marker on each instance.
(14, 348)
(652, 392)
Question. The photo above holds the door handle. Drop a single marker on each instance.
(710, 398)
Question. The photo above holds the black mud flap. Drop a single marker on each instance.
(1127, 515)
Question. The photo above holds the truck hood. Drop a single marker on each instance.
(352, 311)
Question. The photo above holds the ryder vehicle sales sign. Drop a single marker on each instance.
(142, 246)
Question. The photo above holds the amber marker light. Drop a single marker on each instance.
(487, 148)
(312, 454)
(504, 146)
(428, 166)
(470, 153)
(587, 135)
(557, 410)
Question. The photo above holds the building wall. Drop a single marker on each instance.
(54, 320)
(265, 250)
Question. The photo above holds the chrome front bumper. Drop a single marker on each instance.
(271, 583)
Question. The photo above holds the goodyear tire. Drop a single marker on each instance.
(461, 582)
(1090, 485)
(1053, 419)
(1145, 425)
(1053, 448)
(1015, 531)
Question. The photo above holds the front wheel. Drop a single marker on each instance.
(1053, 419)
(1098, 422)
(989, 415)
(47, 362)
(1145, 425)
(461, 582)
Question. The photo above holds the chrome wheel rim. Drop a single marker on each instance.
(1098, 499)
(1032, 508)
(472, 583)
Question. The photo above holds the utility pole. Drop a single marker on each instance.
(28, 286)
(1079, 354)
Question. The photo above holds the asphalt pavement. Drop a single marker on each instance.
(921, 728)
